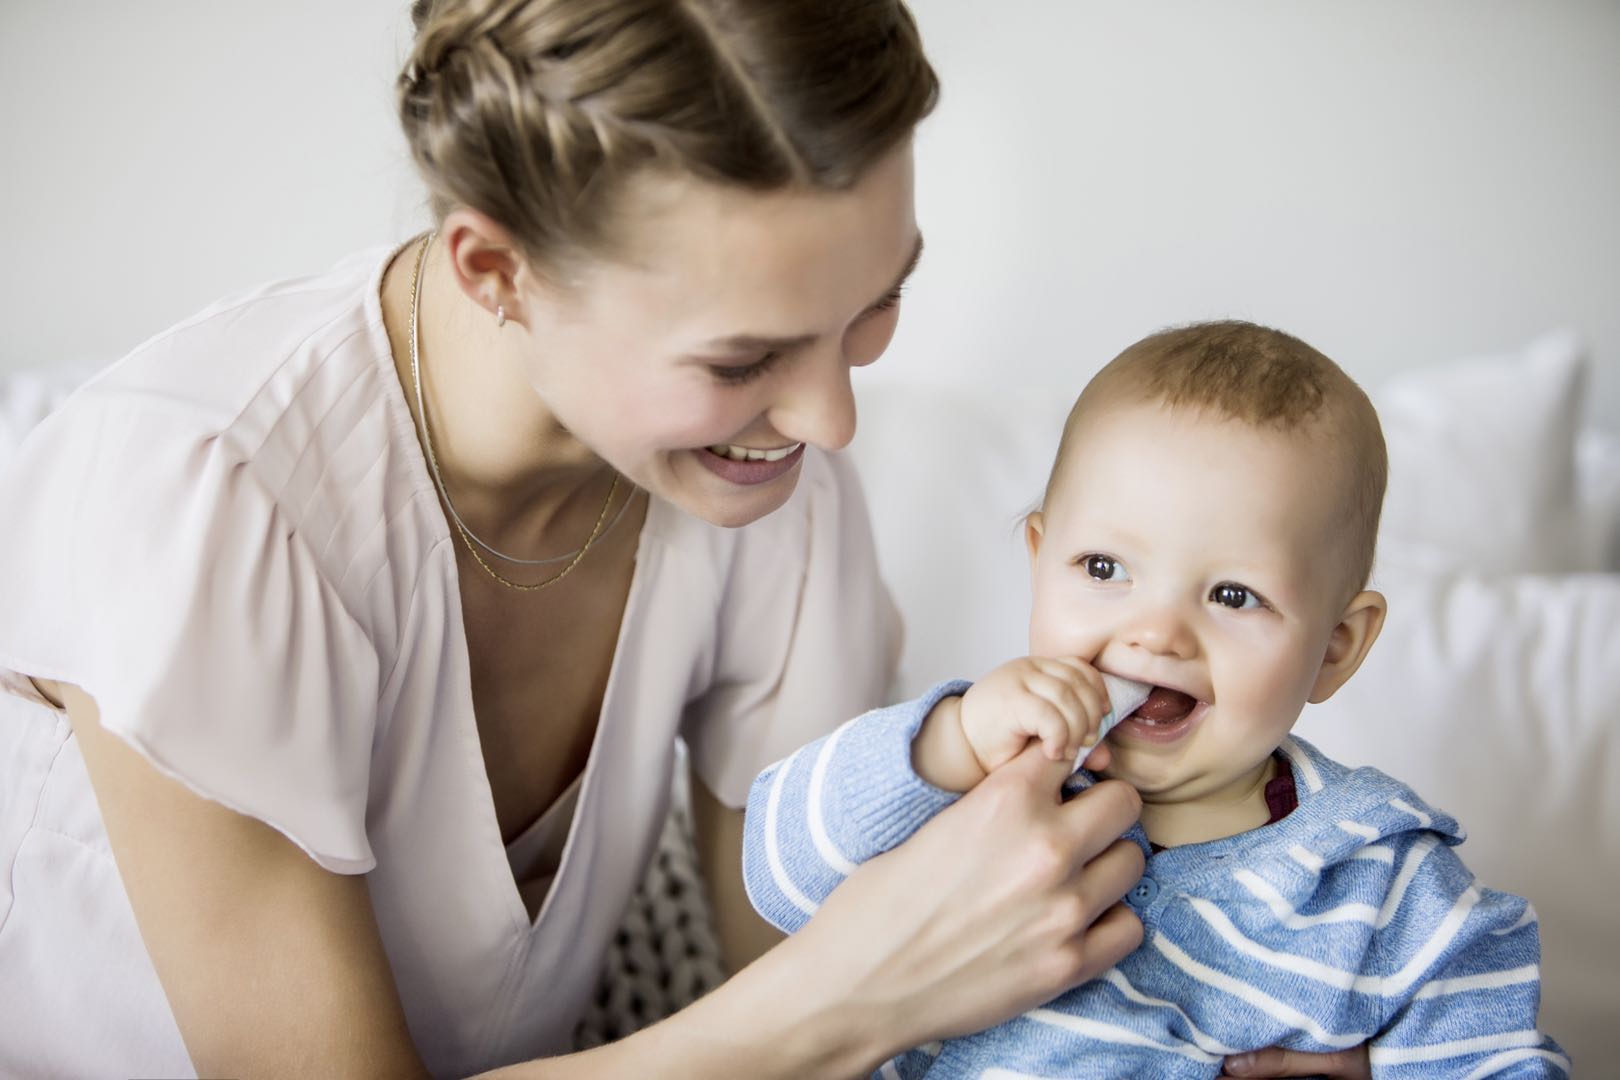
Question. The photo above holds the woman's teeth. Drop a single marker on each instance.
(743, 453)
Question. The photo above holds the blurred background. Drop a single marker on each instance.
(1395, 182)
(1403, 185)
(1407, 186)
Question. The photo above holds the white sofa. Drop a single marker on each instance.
(1493, 689)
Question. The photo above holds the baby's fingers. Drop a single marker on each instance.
(1080, 705)
(1049, 723)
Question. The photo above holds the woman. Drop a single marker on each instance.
(340, 607)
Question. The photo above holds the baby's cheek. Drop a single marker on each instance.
(1276, 690)
(1057, 629)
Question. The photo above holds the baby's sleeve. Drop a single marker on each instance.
(832, 805)
(1463, 974)
(808, 635)
(148, 565)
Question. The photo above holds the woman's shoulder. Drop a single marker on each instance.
(282, 399)
(253, 354)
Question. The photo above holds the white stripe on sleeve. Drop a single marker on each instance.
(773, 850)
(818, 823)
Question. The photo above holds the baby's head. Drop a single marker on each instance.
(1208, 528)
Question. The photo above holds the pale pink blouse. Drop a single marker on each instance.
(230, 540)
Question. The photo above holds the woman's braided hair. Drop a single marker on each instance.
(535, 112)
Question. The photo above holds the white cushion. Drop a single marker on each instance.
(1597, 484)
(1482, 463)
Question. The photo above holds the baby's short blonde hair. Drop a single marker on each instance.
(1267, 379)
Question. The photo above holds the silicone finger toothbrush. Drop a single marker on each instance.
(1125, 696)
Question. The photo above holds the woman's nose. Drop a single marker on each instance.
(818, 405)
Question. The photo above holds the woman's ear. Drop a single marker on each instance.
(1349, 643)
(486, 262)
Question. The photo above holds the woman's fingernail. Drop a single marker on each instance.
(1241, 1063)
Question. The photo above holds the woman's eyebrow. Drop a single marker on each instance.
(763, 343)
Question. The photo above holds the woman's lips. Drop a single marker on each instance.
(1163, 720)
(749, 472)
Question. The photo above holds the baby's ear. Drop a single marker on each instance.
(1349, 643)
(1034, 530)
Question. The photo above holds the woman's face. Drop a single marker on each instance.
(728, 325)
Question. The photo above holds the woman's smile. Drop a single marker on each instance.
(745, 465)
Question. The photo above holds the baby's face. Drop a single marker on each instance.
(1199, 555)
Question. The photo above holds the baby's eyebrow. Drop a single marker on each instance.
(750, 343)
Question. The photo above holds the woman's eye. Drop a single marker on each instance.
(1231, 594)
(889, 302)
(736, 376)
(1103, 568)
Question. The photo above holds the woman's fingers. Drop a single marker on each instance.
(1033, 771)
(1098, 816)
(1111, 875)
(1277, 1062)
(1113, 937)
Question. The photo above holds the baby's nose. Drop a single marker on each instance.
(1162, 632)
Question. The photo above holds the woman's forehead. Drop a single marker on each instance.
(695, 252)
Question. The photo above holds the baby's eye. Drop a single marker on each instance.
(1103, 568)
(1233, 595)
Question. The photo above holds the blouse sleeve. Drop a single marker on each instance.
(148, 566)
(808, 634)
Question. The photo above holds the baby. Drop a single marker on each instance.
(1207, 530)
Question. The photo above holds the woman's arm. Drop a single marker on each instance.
(274, 966)
(271, 965)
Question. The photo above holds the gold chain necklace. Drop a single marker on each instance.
(471, 542)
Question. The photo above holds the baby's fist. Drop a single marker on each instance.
(1059, 700)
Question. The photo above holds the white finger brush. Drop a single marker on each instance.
(1125, 696)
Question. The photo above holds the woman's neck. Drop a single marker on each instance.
(519, 480)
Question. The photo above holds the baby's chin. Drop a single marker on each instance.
(1163, 785)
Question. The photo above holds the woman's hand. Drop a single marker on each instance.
(1277, 1062)
(1003, 901)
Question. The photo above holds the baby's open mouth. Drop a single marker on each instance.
(1165, 706)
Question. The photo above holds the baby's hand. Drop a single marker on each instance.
(1059, 700)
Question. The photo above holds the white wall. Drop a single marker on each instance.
(157, 155)
(1395, 182)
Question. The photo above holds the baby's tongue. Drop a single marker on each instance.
(1164, 706)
